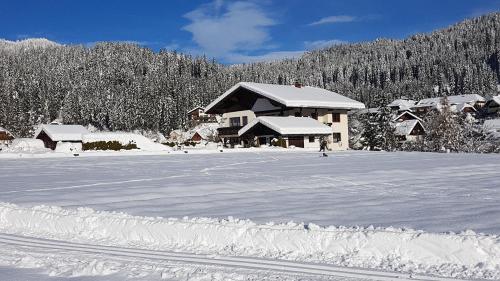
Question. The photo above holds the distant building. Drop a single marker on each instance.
(492, 106)
(294, 114)
(5, 137)
(402, 105)
(409, 130)
(406, 116)
(197, 116)
(460, 103)
(52, 134)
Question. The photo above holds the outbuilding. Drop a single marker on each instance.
(5, 136)
(52, 134)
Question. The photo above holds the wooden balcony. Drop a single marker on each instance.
(226, 132)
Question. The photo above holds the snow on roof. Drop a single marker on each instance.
(462, 106)
(496, 99)
(409, 113)
(205, 130)
(471, 99)
(289, 125)
(199, 107)
(292, 96)
(372, 110)
(404, 128)
(492, 124)
(403, 104)
(63, 132)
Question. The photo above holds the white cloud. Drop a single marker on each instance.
(334, 19)
(172, 46)
(271, 56)
(224, 29)
(319, 44)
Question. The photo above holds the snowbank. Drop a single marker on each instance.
(68, 147)
(124, 138)
(27, 145)
(459, 255)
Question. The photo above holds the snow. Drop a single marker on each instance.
(493, 127)
(63, 132)
(291, 96)
(68, 147)
(431, 213)
(407, 113)
(360, 247)
(125, 138)
(404, 128)
(26, 145)
(496, 99)
(452, 100)
(289, 125)
(403, 104)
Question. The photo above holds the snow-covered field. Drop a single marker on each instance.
(255, 215)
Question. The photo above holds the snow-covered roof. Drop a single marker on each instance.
(460, 107)
(372, 110)
(409, 113)
(289, 125)
(198, 107)
(492, 124)
(404, 128)
(403, 104)
(205, 130)
(470, 99)
(496, 99)
(292, 96)
(63, 132)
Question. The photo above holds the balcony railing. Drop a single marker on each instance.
(229, 131)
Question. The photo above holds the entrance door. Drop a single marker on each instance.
(296, 141)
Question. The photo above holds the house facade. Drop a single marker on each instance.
(301, 116)
(197, 116)
(492, 106)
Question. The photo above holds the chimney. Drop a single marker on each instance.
(297, 84)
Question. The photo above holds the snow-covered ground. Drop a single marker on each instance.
(200, 216)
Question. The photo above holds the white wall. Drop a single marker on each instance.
(227, 116)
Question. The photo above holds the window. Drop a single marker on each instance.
(311, 138)
(297, 114)
(336, 137)
(244, 121)
(335, 117)
(234, 121)
(314, 115)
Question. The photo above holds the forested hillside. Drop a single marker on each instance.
(125, 87)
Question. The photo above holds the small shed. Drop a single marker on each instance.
(52, 134)
(5, 136)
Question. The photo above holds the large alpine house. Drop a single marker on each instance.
(256, 113)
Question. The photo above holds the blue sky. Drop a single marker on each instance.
(232, 31)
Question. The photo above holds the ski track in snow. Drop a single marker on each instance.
(434, 192)
(288, 267)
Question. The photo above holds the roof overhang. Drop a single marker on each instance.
(242, 96)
